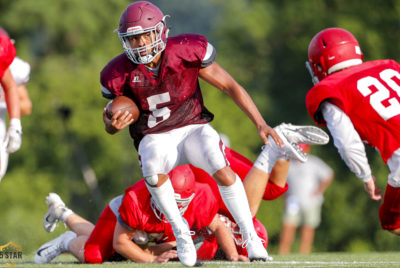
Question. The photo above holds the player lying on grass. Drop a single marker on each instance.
(240, 164)
(116, 228)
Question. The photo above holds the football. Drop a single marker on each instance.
(122, 103)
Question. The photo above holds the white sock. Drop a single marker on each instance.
(65, 214)
(235, 199)
(67, 240)
(165, 200)
(267, 158)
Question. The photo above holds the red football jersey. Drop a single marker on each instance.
(369, 94)
(136, 212)
(169, 100)
(241, 166)
(7, 53)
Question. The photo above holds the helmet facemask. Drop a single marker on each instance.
(145, 54)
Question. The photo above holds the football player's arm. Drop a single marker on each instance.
(11, 95)
(225, 240)
(119, 121)
(350, 147)
(123, 244)
(20, 71)
(219, 78)
(25, 101)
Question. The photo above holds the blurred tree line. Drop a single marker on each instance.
(263, 44)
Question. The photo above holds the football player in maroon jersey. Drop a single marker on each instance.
(130, 221)
(13, 137)
(358, 102)
(162, 74)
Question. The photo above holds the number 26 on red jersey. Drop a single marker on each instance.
(382, 93)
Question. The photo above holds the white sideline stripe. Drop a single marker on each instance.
(306, 262)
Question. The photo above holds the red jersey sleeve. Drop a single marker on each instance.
(7, 53)
(134, 207)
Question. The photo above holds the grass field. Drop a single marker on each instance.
(371, 259)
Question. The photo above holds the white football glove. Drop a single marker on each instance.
(13, 138)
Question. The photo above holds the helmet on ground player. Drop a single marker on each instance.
(184, 183)
(139, 18)
(331, 50)
(237, 234)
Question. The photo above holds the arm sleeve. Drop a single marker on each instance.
(210, 56)
(20, 71)
(347, 141)
(128, 217)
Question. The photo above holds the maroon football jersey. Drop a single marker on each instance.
(170, 100)
(369, 94)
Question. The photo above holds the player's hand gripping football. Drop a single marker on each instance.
(373, 192)
(264, 131)
(13, 137)
(118, 121)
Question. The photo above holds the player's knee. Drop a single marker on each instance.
(151, 180)
(225, 176)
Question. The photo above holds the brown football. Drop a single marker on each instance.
(122, 103)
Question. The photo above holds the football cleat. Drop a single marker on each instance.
(185, 247)
(256, 250)
(303, 134)
(56, 208)
(52, 249)
(293, 135)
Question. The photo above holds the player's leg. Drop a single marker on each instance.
(58, 211)
(76, 247)
(273, 162)
(291, 220)
(307, 239)
(288, 234)
(52, 249)
(99, 245)
(279, 172)
(311, 220)
(204, 149)
(159, 155)
(389, 211)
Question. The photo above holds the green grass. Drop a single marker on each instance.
(370, 259)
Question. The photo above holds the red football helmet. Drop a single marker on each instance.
(237, 234)
(4, 32)
(184, 183)
(139, 18)
(331, 50)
